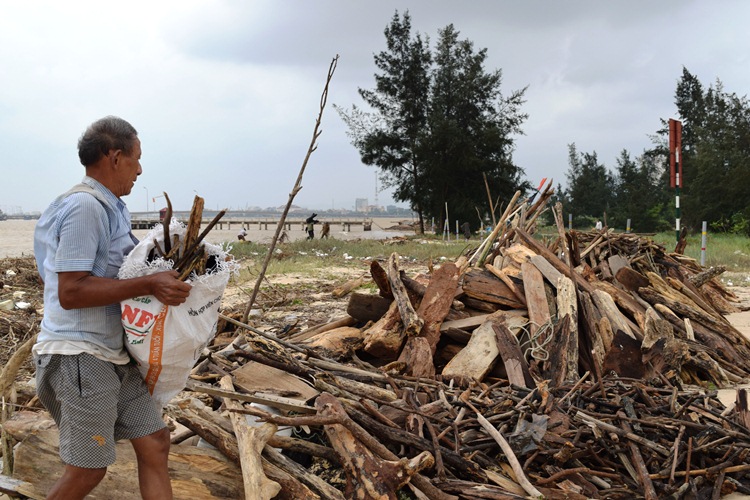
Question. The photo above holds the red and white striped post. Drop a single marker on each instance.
(675, 167)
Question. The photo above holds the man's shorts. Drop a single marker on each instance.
(94, 403)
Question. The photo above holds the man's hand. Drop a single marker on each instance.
(168, 289)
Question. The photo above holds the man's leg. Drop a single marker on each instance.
(75, 483)
(152, 452)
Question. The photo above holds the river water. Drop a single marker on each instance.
(17, 236)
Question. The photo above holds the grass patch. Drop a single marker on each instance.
(730, 250)
(312, 256)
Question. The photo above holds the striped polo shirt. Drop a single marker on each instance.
(82, 231)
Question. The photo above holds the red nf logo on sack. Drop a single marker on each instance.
(136, 321)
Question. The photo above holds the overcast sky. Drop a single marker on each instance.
(224, 94)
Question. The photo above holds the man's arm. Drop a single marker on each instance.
(81, 289)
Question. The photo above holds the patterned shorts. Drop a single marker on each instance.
(94, 403)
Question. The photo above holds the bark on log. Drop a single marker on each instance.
(385, 337)
(367, 306)
(437, 301)
(380, 277)
(412, 322)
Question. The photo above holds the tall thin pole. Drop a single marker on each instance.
(675, 168)
(703, 244)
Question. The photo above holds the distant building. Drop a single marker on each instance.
(361, 205)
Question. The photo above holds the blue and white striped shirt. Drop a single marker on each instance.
(82, 231)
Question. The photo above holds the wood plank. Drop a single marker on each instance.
(536, 299)
(567, 306)
(256, 377)
(547, 269)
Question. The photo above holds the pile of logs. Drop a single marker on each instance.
(580, 367)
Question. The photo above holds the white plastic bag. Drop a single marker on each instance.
(166, 341)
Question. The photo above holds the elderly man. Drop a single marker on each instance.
(84, 375)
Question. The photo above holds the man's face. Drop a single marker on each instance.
(128, 169)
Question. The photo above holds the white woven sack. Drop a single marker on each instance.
(166, 341)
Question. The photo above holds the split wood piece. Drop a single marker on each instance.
(475, 360)
(339, 341)
(540, 249)
(590, 328)
(547, 269)
(510, 352)
(554, 369)
(417, 357)
(250, 442)
(536, 301)
(608, 309)
(10, 486)
(557, 212)
(9, 372)
(380, 277)
(367, 476)
(418, 289)
(567, 307)
(626, 302)
(484, 286)
(617, 262)
(500, 273)
(347, 287)
(196, 473)
(385, 337)
(367, 306)
(412, 322)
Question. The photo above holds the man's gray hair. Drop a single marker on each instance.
(103, 135)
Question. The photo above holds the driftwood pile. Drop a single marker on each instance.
(580, 367)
